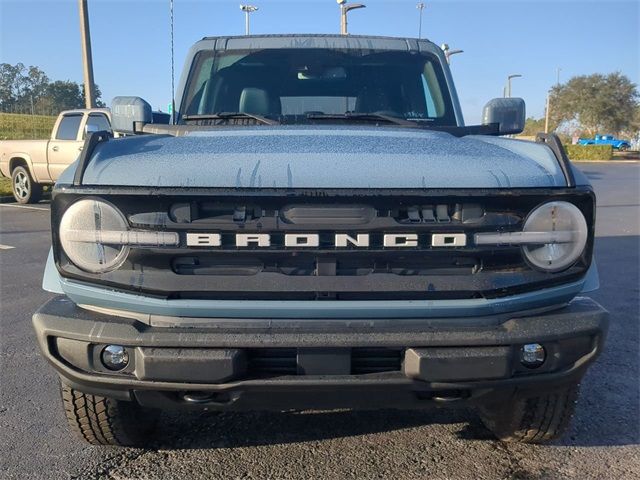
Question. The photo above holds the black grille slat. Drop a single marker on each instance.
(283, 361)
(375, 360)
(272, 361)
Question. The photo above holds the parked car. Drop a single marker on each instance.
(31, 164)
(320, 230)
(616, 143)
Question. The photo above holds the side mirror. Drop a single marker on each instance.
(90, 128)
(508, 113)
(129, 114)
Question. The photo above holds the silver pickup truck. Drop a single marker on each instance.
(320, 229)
(31, 164)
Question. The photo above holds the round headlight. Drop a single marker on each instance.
(564, 230)
(89, 235)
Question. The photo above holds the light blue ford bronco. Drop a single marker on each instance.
(318, 229)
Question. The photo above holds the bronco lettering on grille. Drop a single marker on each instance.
(340, 240)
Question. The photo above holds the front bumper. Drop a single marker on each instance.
(213, 364)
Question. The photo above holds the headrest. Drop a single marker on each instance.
(254, 100)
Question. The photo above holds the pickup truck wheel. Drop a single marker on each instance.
(532, 418)
(25, 190)
(105, 421)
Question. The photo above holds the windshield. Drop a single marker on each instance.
(293, 85)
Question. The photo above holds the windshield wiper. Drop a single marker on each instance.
(367, 117)
(230, 115)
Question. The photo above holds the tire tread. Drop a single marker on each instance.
(105, 421)
(533, 419)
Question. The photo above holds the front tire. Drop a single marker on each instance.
(25, 189)
(532, 418)
(106, 421)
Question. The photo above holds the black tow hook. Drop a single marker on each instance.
(445, 397)
(209, 398)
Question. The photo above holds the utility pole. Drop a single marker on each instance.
(546, 115)
(87, 60)
(420, 6)
(247, 9)
(344, 10)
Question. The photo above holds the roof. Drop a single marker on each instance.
(315, 41)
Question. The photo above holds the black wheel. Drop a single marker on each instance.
(25, 190)
(105, 421)
(623, 148)
(532, 418)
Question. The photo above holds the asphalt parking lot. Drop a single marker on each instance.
(602, 443)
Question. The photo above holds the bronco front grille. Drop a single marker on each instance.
(434, 266)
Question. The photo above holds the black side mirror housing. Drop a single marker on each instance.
(129, 114)
(508, 113)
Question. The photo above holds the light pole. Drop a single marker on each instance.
(247, 9)
(344, 9)
(420, 6)
(547, 109)
(507, 92)
(448, 52)
(87, 60)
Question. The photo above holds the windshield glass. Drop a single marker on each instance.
(291, 85)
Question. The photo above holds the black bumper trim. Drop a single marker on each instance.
(60, 318)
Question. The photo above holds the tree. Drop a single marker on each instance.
(65, 95)
(98, 94)
(21, 87)
(595, 103)
(533, 126)
(29, 90)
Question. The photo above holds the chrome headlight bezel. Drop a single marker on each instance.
(77, 243)
(575, 238)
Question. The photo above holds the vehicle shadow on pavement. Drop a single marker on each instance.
(239, 429)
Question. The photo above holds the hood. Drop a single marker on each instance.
(322, 157)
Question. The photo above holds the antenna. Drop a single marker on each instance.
(173, 99)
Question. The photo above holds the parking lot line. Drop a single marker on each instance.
(27, 207)
(6, 247)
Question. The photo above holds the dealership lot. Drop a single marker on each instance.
(603, 441)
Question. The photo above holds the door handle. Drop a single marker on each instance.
(55, 149)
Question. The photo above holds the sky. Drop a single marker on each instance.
(131, 41)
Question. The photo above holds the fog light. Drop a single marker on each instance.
(532, 355)
(115, 357)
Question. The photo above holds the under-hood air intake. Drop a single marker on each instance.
(318, 215)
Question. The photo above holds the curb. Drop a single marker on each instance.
(606, 161)
(7, 199)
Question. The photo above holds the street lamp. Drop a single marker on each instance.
(448, 52)
(247, 9)
(344, 9)
(507, 90)
(420, 6)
